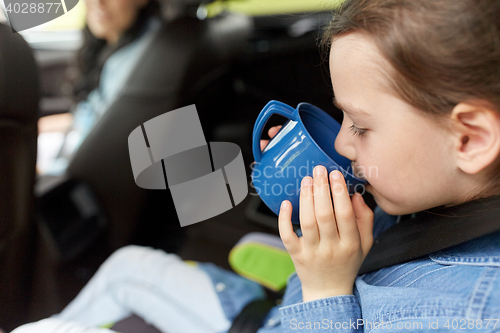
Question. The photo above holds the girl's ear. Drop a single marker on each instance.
(477, 136)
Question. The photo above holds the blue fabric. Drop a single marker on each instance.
(450, 290)
(233, 290)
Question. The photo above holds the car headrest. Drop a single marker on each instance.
(174, 9)
(189, 2)
(19, 87)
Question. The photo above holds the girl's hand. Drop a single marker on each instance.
(335, 240)
(272, 132)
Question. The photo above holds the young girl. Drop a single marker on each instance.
(419, 84)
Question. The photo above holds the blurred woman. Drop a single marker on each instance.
(114, 38)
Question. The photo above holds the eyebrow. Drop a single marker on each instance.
(349, 108)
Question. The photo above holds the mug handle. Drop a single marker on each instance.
(273, 107)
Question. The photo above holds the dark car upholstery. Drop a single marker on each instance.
(183, 54)
(19, 96)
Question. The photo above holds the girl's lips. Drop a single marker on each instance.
(356, 172)
(370, 189)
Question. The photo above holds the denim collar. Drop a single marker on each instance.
(451, 234)
(482, 251)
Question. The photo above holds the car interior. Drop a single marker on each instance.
(55, 231)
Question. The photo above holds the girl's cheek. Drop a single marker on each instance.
(367, 165)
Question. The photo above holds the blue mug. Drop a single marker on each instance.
(305, 140)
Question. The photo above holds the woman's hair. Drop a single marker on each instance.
(95, 51)
(442, 52)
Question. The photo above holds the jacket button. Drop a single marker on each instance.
(220, 287)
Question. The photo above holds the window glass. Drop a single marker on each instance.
(62, 33)
(72, 20)
(267, 7)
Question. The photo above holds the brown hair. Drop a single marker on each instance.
(443, 52)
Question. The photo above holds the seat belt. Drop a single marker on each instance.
(249, 320)
(431, 231)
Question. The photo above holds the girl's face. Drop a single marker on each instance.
(109, 19)
(406, 156)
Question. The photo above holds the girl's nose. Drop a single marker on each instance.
(343, 143)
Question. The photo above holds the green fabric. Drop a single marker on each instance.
(191, 263)
(107, 325)
(275, 7)
(267, 265)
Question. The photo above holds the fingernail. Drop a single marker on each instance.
(335, 175)
(319, 170)
(306, 181)
(284, 205)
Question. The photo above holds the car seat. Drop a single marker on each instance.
(19, 96)
(186, 57)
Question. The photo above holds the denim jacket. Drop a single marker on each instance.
(457, 289)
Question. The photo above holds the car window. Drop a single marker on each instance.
(75, 19)
(63, 32)
(72, 20)
(276, 7)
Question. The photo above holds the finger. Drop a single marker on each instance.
(288, 236)
(342, 206)
(364, 219)
(273, 131)
(263, 144)
(323, 208)
(310, 235)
